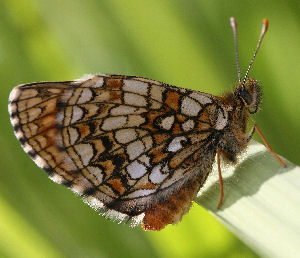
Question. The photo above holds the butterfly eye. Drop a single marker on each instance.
(245, 95)
(251, 95)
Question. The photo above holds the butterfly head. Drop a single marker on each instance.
(249, 94)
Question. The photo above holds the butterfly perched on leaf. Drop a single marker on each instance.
(134, 148)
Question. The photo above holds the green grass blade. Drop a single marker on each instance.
(261, 203)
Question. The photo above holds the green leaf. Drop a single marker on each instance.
(261, 202)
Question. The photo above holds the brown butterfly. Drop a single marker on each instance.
(133, 148)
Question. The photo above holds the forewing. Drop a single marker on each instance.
(123, 143)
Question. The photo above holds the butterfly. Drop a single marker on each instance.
(135, 149)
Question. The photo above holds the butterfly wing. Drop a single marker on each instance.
(128, 145)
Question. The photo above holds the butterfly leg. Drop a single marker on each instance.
(219, 151)
(220, 177)
(255, 128)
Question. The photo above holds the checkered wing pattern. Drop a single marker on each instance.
(129, 146)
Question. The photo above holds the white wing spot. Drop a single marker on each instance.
(190, 107)
(27, 93)
(157, 92)
(156, 176)
(99, 83)
(135, 120)
(136, 87)
(140, 193)
(73, 135)
(188, 125)
(77, 114)
(86, 96)
(112, 123)
(135, 149)
(125, 135)
(135, 100)
(176, 144)
(85, 151)
(167, 122)
(136, 170)
(221, 121)
(201, 98)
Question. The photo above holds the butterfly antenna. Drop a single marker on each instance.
(262, 34)
(234, 28)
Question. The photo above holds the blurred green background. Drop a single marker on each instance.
(185, 43)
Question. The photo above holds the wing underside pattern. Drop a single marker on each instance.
(126, 144)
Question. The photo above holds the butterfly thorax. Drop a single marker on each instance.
(243, 101)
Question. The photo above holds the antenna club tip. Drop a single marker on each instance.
(266, 24)
(232, 22)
